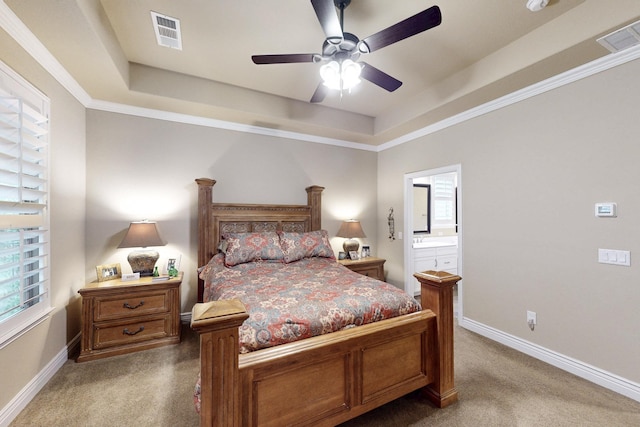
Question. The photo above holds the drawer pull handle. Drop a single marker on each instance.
(126, 331)
(126, 305)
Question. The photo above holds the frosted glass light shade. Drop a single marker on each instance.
(339, 76)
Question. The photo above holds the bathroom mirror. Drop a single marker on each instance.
(421, 208)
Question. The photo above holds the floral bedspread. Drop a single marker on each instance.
(309, 297)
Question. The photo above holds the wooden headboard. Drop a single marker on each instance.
(215, 219)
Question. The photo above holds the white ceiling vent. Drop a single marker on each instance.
(622, 39)
(167, 30)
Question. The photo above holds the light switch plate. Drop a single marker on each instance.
(614, 256)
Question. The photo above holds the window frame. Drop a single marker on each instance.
(31, 101)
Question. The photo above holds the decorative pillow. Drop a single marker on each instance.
(304, 245)
(248, 247)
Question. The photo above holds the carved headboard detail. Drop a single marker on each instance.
(216, 219)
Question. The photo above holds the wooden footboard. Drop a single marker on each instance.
(326, 380)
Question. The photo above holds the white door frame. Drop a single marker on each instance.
(408, 225)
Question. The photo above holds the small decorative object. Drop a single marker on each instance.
(351, 229)
(391, 222)
(172, 270)
(127, 277)
(108, 272)
(142, 234)
(366, 251)
(155, 272)
(342, 255)
(353, 255)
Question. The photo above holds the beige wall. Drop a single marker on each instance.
(23, 359)
(531, 174)
(140, 168)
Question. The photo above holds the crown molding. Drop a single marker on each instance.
(29, 42)
(16, 29)
(573, 75)
(151, 113)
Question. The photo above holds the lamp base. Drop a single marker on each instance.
(350, 245)
(143, 261)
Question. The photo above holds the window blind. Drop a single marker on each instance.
(444, 200)
(24, 296)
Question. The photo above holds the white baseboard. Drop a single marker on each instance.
(22, 399)
(591, 373)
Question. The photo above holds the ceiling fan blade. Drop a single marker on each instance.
(320, 93)
(329, 20)
(379, 78)
(418, 23)
(283, 59)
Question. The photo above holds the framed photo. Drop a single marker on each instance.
(342, 255)
(108, 272)
(366, 251)
(353, 255)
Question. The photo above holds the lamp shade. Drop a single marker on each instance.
(350, 229)
(141, 235)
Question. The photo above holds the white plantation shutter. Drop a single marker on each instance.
(444, 196)
(24, 125)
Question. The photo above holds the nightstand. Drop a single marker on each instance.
(122, 317)
(369, 266)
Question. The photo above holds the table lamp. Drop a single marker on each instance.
(142, 234)
(351, 229)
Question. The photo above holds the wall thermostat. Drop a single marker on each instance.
(606, 209)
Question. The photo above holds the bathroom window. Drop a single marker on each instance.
(444, 201)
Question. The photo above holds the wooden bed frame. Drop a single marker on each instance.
(324, 380)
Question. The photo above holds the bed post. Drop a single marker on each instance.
(217, 323)
(205, 198)
(437, 295)
(314, 201)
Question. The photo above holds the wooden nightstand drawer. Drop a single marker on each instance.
(120, 317)
(123, 333)
(370, 266)
(136, 304)
(369, 271)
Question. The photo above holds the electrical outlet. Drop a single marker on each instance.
(532, 319)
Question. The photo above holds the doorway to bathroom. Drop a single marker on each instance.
(433, 226)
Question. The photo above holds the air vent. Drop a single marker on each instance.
(167, 30)
(622, 39)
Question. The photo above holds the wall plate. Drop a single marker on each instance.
(606, 210)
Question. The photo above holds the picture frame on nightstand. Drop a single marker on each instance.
(353, 255)
(108, 272)
(366, 251)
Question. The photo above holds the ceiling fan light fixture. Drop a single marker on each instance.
(340, 76)
(363, 47)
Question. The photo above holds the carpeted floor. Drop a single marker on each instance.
(497, 386)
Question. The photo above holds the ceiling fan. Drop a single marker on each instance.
(341, 50)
